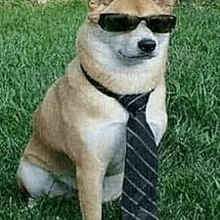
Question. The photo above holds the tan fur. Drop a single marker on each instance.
(74, 127)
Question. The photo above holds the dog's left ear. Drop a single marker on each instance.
(94, 4)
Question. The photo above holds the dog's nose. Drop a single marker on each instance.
(147, 45)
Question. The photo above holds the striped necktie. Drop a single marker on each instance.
(140, 179)
(139, 187)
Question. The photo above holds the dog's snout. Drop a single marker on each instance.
(147, 45)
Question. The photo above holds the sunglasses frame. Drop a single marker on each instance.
(157, 24)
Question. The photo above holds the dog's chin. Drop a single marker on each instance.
(141, 56)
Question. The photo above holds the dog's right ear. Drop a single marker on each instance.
(94, 4)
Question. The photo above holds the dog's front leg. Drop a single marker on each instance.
(90, 174)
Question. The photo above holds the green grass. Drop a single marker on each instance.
(209, 3)
(189, 186)
(37, 43)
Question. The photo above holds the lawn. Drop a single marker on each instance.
(36, 44)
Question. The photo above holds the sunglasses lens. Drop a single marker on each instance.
(121, 23)
(161, 24)
(117, 22)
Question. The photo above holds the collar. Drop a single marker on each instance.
(100, 87)
(131, 102)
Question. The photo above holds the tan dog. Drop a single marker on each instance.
(79, 132)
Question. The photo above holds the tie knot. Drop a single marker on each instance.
(135, 102)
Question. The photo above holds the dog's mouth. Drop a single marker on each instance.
(136, 57)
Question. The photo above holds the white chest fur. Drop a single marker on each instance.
(106, 138)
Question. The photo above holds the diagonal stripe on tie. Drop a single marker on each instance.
(135, 138)
(141, 158)
(138, 199)
(141, 177)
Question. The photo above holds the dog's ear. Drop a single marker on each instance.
(94, 4)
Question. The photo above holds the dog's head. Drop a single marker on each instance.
(127, 35)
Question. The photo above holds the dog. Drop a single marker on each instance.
(79, 133)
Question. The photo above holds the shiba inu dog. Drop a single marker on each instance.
(79, 133)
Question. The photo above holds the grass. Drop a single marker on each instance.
(189, 187)
(37, 43)
(209, 3)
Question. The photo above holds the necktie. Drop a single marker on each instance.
(139, 187)
(140, 178)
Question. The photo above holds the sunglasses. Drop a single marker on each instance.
(123, 22)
